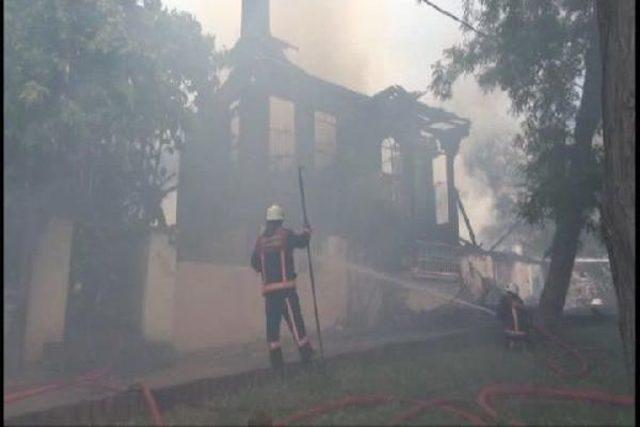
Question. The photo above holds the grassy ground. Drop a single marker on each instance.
(455, 367)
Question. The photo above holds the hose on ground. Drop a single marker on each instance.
(93, 378)
(375, 400)
(583, 366)
(26, 392)
(485, 398)
(488, 392)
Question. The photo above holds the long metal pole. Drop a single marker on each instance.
(311, 277)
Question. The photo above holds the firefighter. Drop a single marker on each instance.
(273, 259)
(514, 317)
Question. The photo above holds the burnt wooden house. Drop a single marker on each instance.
(270, 116)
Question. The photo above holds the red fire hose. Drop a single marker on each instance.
(485, 396)
(484, 399)
(24, 393)
(93, 379)
(490, 391)
(444, 404)
(152, 406)
(583, 369)
(375, 400)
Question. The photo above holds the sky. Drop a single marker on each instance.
(368, 45)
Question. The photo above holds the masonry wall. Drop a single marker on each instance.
(48, 289)
(159, 289)
(217, 305)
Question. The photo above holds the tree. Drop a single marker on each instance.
(617, 38)
(97, 94)
(545, 56)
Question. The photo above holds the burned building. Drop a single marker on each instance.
(359, 152)
(379, 172)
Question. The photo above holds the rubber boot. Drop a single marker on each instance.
(277, 361)
(306, 353)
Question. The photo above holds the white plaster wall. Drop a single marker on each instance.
(217, 305)
(159, 289)
(331, 285)
(47, 303)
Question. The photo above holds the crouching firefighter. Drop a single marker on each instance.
(273, 259)
(514, 317)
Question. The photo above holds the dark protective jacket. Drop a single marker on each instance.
(273, 257)
(513, 314)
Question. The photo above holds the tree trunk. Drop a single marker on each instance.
(617, 38)
(572, 219)
(563, 254)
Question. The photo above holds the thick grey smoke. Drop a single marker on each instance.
(490, 122)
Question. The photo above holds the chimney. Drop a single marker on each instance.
(255, 18)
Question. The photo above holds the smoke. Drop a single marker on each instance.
(368, 45)
(337, 39)
(362, 44)
(490, 122)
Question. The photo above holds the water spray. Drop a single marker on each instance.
(410, 285)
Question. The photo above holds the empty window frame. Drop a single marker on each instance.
(391, 168)
(391, 157)
(441, 189)
(234, 133)
(282, 149)
(325, 146)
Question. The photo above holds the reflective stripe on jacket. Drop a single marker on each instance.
(273, 258)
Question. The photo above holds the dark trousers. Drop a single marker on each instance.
(520, 336)
(284, 304)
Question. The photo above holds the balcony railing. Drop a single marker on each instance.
(436, 261)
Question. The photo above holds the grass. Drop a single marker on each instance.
(455, 367)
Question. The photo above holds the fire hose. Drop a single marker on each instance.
(92, 378)
(485, 398)
(26, 392)
(374, 400)
(583, 365)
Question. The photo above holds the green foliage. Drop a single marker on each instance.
(536, 52)
(98, 95)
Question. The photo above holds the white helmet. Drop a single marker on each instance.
(275, 213)
(513, 288)
(596, 302)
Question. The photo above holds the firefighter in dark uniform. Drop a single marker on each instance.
(273, 259)
(514, 317)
